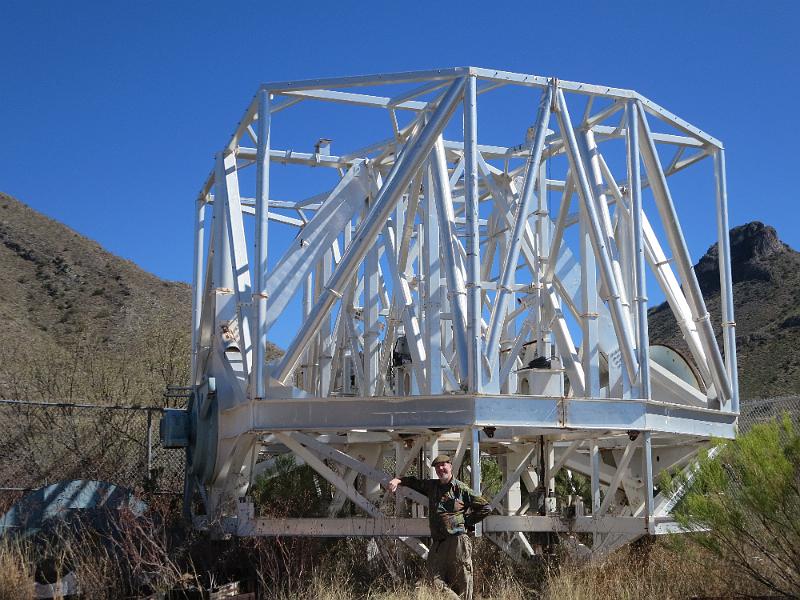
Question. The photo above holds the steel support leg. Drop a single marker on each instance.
(259, 335)
(647, 480)
(476, 469)
(640, 295)
(726, 284)
(474, 338)
(198, 285)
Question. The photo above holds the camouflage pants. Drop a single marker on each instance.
(450, 566)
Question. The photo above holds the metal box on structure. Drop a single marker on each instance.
(444, 294)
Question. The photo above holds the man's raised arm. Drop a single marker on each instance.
(418, 485)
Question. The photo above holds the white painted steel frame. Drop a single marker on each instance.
(444, 307)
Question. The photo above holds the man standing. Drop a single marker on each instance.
(453, 511)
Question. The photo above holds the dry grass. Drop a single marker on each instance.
(662, 569)
(658, 570)
(16, 571)
(323, 588)
(140, 562)
(625, 575)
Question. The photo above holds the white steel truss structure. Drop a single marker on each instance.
(453, 296)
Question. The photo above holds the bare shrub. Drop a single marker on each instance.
(144, 555)
(127, 556)
(97, 570)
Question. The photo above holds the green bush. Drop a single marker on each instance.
(290, 490)
(743, 505)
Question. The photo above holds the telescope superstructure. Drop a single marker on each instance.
(446, 292)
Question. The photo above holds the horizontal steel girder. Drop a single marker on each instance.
(460, 411)
(397, 527)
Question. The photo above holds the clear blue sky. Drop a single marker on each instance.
(110, 112)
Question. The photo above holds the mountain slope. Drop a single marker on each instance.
(58, 284)
(79, 323)
(766, 295)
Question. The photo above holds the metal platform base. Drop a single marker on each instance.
(526, 415)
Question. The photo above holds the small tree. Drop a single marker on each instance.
(743, 505)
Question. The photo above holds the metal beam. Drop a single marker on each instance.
(725, 277)
(614, 300)
(497, 319)
(622, 466)
(259, 300)
(372, 224)
(683, 261)
(320, 467)
(474, 334)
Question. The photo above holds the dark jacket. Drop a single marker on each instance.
(453, 508)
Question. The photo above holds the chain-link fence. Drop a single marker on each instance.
(43, 443)
(762, 411)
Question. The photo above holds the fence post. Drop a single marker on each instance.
(149, 444)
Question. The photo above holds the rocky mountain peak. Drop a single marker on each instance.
(754, 241)
(753, 245)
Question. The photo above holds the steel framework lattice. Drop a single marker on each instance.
(455, 296)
